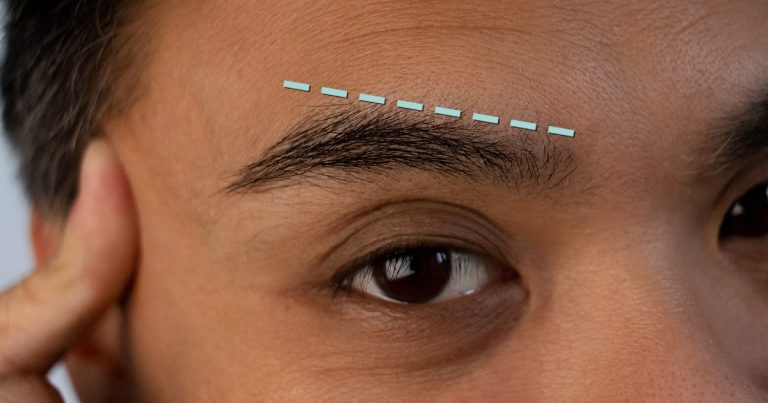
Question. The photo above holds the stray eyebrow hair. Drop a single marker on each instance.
(342, 142)
(738, 136)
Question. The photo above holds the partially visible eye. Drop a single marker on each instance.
(425, 275)
(748, 217)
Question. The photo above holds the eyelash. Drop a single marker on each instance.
(342, 282)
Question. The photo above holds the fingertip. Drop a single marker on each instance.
(102, 178)
(103, 218)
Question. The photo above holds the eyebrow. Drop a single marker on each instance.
(736, 136)
(345, 143)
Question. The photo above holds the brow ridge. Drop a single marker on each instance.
(343, 143)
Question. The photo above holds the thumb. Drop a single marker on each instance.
(49, 310)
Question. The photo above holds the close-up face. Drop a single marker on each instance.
(296, 246)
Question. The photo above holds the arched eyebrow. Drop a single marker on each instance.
(345, 143)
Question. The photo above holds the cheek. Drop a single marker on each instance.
(192, 337)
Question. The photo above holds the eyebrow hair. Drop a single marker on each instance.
(736, 136)
(343, 142)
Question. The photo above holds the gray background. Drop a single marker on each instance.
(15, 255)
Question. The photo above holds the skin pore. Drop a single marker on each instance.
(622, 288)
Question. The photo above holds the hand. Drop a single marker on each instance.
(43, 316)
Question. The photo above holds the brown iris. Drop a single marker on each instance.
(415, 276)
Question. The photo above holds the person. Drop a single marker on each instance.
(347, 201)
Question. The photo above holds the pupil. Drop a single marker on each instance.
(413, 277)
(749, 215)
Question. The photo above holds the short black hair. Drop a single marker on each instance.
(64, 66)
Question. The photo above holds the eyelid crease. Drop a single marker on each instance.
(458, 225)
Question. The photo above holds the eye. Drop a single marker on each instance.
(748, 217)
(425, 275)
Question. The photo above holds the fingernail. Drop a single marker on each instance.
(101, 188)
(98, 157)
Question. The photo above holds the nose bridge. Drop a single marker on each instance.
(632, 333)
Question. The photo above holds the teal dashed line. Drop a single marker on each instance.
(448, 112)
(561, 131)
(521, 124)
(333, 92)
(293, 85)
(410, 105)
(374, 99)
(494, 120)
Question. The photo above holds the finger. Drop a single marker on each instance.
(28, 388)
(50, 309)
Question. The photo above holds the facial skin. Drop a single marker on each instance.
(624, 291)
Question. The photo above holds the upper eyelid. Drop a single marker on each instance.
(480, 228)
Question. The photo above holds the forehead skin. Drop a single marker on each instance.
(636, 80)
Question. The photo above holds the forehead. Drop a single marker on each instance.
(636, 80)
